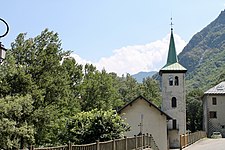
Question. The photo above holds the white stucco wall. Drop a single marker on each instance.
(154, 122)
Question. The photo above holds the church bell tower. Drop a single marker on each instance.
(173, 95)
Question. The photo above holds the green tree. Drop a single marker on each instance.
(150, 90)
(129, 88)
(87, 127)
(59, 88)
(73, 72)
(194, 110)
(35, 66)
(98, 91)
(69, 105)
(16, 129)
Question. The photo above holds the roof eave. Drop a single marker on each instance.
(142, 97)
(171, 71)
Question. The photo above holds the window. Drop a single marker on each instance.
(176, 82)
(212, 114)
(174, 124)
(214, 102)
(174, 102)
(171, 80)
(222, 126)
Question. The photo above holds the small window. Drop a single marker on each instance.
(174, 124)
(222, 126)
(176, 82)
(214, 102)
(171, 80)
(212, 114)
(174, 102)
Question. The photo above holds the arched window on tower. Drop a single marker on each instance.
(174, 102)
(171, 80)
(176, 82)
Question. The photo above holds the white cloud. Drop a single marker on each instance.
(80, 60)
(136, 58)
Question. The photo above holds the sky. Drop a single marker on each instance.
(122, 36)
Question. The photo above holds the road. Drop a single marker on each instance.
(208, 144)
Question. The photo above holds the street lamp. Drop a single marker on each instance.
(2, 49)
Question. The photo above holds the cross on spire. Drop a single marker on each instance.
(171, 24)
(172, 55)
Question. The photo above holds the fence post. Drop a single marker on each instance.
(135, 136)
(125, 142)
(150, 138)
(97, 145)
(189, 138)
(180, 142)
(186, 140)
(114, 144)
(143, 140)
(147, 140)
(69, 146)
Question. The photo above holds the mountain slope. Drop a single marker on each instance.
(141, 75)
(204, 55)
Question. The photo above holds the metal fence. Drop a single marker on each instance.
(126, 143)
(188, 139)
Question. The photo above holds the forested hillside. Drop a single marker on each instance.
(204, 58)
(204, 55)
(141, 75)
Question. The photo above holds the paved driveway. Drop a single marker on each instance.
(208, 144)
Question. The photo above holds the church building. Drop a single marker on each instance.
(145, 117)
(167, 123)
(173, 95)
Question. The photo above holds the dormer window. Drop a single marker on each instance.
(176, 82)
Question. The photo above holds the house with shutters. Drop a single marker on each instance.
(213, 110)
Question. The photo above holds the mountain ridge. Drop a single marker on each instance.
(141, 75)
(204, 55)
